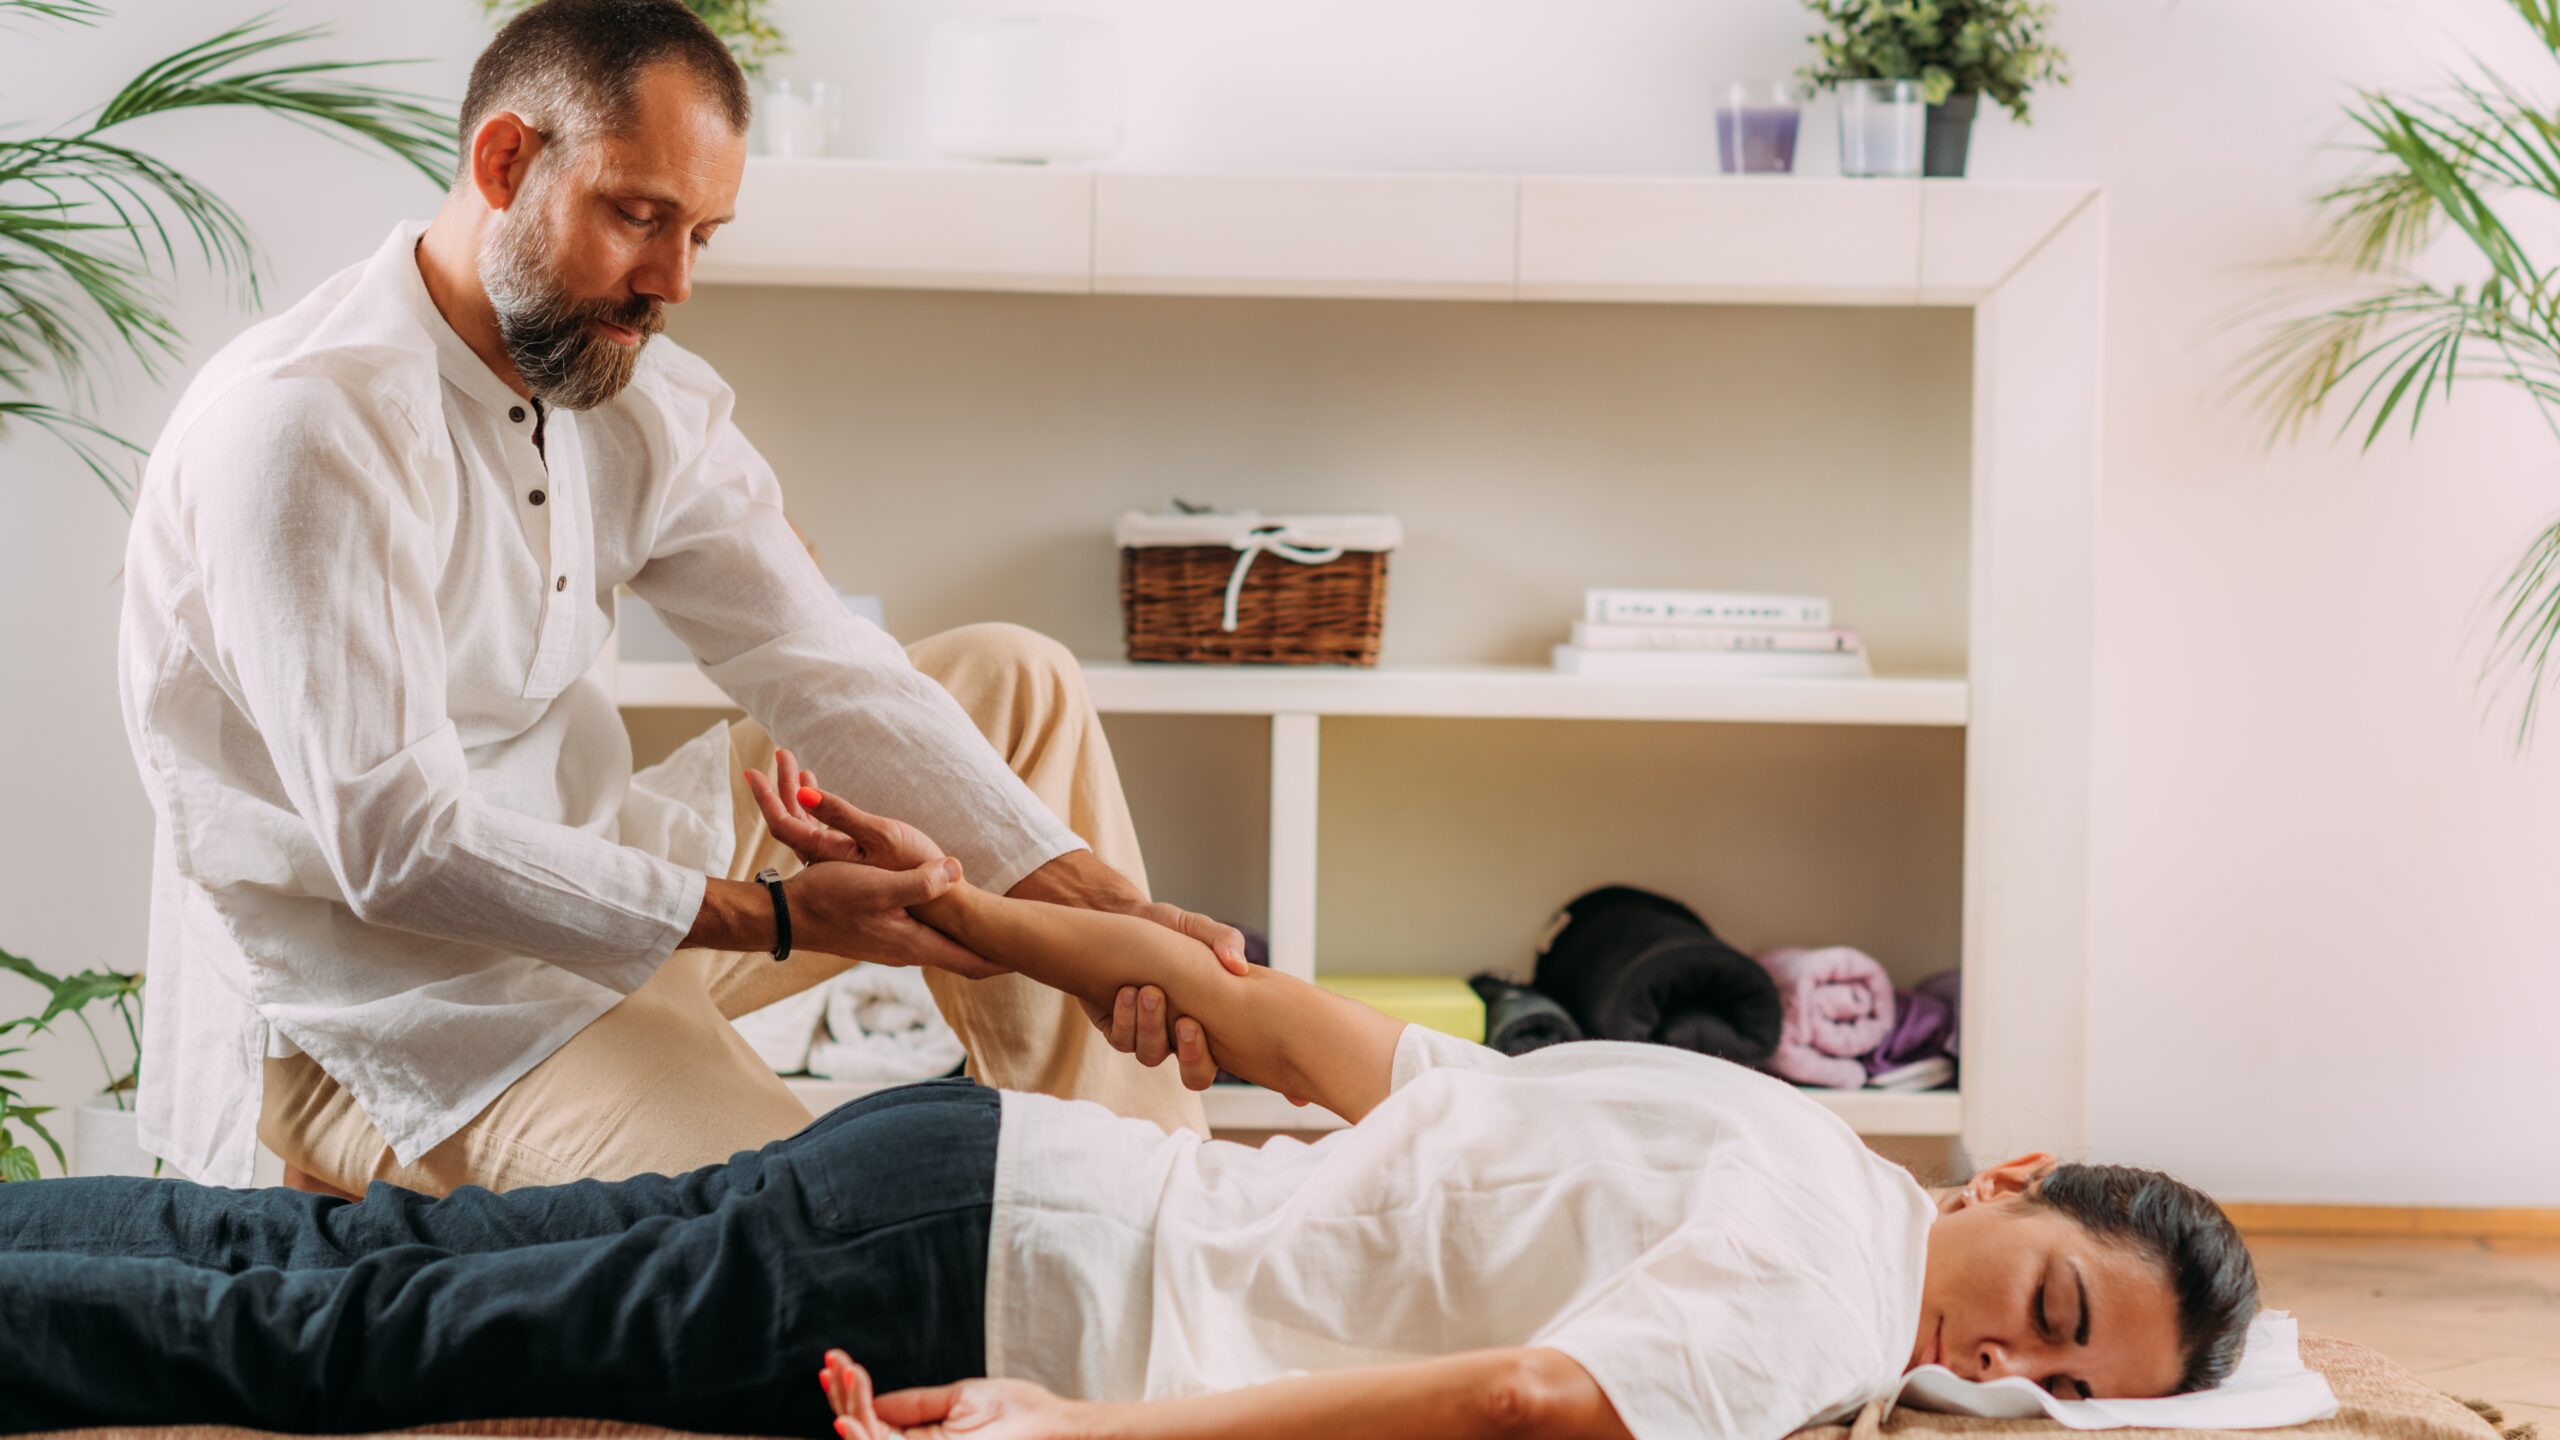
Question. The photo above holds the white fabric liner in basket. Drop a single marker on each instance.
(1237, 529)
(2269, 1388)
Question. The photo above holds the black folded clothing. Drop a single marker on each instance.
(1628, 964)
(1518, 1019)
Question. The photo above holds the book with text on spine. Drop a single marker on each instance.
(1704, 607)
(1712, 637)
(1712, 664)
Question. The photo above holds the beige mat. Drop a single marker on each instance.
(2377, 1400)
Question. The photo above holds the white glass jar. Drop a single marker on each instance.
(1882, 123)
(796, 120)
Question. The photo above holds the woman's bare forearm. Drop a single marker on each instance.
(1272, 1029)
(1482, 1395)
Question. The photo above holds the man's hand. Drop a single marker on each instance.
(819, 826)
(977, 1409)
(1138, 1021)
(860, 912)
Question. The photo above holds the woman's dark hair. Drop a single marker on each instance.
(2180, 1228)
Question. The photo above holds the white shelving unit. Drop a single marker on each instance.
(2026, 259)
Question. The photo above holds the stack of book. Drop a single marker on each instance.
(1710, 634)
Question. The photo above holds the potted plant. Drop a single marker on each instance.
(86, 218)
(1958, 51)
(102, 1137)
(17, 1161)
(2475, 161)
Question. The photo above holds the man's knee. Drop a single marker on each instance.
(1016, 654)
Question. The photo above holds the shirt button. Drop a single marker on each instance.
(516, 413)
(563, 585)
(537, 497)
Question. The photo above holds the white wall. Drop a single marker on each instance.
(2322, 945)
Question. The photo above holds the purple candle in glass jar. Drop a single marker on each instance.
(1757, 139)
(1756, 126)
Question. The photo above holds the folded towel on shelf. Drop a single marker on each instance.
(1628, 964)
(1838, 1006)
(882, 1026)
(1948, 986)
(1921, 1024)
(1518, 1019)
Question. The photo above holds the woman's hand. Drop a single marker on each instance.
(977, 1409)
(819, 827)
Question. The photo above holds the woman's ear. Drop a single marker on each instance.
(2007, 1180)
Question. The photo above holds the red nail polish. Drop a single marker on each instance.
(809, 796)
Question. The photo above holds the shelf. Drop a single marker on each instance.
(1393, 235)
(1505, 692)
(1250, 1107)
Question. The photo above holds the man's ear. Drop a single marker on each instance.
(2008, 1179)
(501, 150)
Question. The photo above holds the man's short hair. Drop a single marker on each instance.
(571, 67)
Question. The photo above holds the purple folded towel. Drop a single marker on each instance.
(1920, 1025)
(1948, 985)
(1839, 1006)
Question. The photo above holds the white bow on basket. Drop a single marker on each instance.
(1272, 540)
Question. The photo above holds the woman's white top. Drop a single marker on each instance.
(1720, 1252)
(398, 825)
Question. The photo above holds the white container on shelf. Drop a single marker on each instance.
(104, 1142)
(1882, 124)
(1025, 88)
(796, 120)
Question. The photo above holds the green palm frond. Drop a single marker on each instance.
(92, 444)
(90, 225)
(77, 12)
(2479, 159)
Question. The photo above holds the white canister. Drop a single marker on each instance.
(1025, 88)
(1882, 123)
(103, 1140)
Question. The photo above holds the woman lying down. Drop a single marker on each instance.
(1599, 1240)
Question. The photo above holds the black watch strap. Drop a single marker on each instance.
(772, 879)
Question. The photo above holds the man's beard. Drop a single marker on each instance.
(564, 359)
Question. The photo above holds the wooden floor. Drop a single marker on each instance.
(2479, 1318)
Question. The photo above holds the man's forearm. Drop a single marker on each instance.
(735, 915)
(1483, 1395)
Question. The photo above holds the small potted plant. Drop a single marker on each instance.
(1958, 51)
(17, 1161)
(103, 1141)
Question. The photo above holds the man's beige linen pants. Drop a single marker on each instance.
(663, 1083)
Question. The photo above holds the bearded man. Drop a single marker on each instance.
(414, 918)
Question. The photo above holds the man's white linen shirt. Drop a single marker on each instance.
(397, 824)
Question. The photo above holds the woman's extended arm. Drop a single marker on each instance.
(1480, 1395)
(1273, 1029)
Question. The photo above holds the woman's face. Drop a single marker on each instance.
(2014, 1288)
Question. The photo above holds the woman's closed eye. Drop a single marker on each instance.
(2062, 1387)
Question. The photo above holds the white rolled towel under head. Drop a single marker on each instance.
(782, 1031)
(883, 1027)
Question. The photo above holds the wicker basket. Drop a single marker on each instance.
(1239, 589)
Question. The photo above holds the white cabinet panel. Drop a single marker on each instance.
(1778, 240)
(1372, 236)
(843, 222)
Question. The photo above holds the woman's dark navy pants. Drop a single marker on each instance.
(701, 1301)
